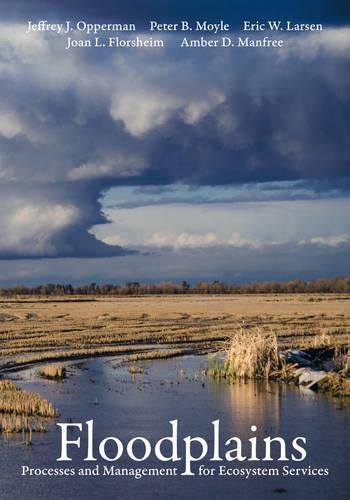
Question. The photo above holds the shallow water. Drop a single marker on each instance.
(126, 406)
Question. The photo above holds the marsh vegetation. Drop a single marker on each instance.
(252, 329)
(23, 411)
(18, 402)
(257, 355)
(54, 330)
(253, 355)
(53, 372)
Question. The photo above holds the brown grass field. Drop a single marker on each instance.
(59, 328)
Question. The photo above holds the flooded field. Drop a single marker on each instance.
(34, 330)
(126, 405)
(110, 369)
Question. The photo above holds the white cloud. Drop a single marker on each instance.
(118, 166)
(332, 41)
(142, 111)
(148, 95)
(12, 124)
(259, 222)
(238, 241)
(193, 240)
(327, 241)
(116, 240)
(17, 46)
(29, 228)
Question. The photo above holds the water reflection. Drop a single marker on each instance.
(143, 404)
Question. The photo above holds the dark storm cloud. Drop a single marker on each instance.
(49, 220)
(74, 124)
(281, 120)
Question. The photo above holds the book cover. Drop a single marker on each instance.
(174, 249)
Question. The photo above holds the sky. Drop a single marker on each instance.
(169, 164)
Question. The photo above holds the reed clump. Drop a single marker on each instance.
(217, 368)
(17, 402)
(15, 424)
(252, 354)
(53, 372)
(135, 369)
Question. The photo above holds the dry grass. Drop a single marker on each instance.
(135, 369)
(17, 402)
(341, 361)
(323, 339)
(55, 372)
(252, 355)
(345, 363)
(7, 385)
(55, 330)
(335, 384)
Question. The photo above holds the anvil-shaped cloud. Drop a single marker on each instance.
(75, 123)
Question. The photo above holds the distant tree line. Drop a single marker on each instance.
(334, 285)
